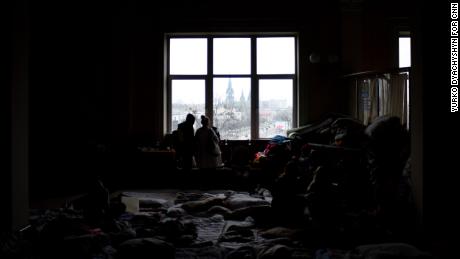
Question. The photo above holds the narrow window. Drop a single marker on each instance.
(404, 51)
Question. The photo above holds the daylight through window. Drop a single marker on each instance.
(245, 84)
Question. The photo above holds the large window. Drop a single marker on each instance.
(246, 84)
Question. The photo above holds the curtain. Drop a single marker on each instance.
(398, 104)
(385, 94)
(367, 100)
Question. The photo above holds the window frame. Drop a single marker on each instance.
(209, 76)
(406, 33)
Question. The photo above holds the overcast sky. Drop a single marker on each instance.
(231, 56)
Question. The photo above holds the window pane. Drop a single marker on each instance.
(232, 56)
(188, 96)
(232, 107)
(275, 107)
(276, 55)
(404, 52)
(188, 56)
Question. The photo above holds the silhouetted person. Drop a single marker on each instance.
(208, 154)
(185, 142)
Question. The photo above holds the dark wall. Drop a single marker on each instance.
(14, 116)
(369, 32)
(440, 128)
(70, 97)
(5, 119)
